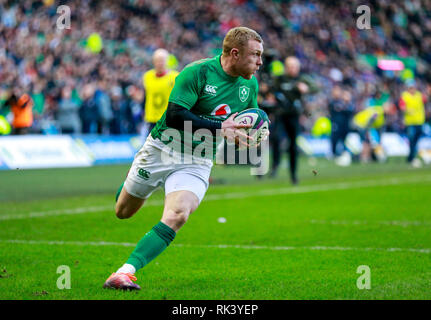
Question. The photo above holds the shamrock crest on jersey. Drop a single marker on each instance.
(243, 93)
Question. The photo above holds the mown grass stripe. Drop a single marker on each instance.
(233, 195)
(217, 246)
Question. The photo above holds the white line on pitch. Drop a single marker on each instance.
(65, 212)
(233, 195)
(217, 246)
(317, 188)
(363, 222)
(55, 212)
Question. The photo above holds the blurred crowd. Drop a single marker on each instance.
(88, 79)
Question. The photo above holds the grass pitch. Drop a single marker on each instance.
(278, 241)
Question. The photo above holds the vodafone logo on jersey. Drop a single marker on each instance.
(222, 110)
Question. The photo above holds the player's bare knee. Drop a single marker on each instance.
(122, 212)
(176, 217)
(178, 208)
(127, 205)
(180, 216)
(187, 205)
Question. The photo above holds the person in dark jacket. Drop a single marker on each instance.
(341, 111)
(289, 89)
(89, 112)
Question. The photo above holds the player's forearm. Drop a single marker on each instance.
(313, 87)
(176, 115)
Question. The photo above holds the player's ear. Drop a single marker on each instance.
(235, 53)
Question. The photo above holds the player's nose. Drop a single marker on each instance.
(259, 61)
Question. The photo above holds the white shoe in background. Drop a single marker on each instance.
(344, 160)
(416, 163)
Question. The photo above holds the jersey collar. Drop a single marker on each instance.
(222, 72)
(160, 75)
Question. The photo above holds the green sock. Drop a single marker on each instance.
(118, 192)
(151, 245)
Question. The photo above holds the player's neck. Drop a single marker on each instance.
(161, 73)
(227, 66)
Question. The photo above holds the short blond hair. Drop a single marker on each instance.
(293, 60)
(238, 38)
(161, 52)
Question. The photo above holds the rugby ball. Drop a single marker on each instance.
(259, 121)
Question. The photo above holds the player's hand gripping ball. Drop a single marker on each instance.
(259, 130)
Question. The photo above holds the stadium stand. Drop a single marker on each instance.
(110, 43)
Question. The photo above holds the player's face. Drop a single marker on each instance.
(159, 62)
(250, 59)
(292, 67)
(412, 89)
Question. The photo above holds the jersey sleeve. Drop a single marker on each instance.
(186, 89)
(255, 90)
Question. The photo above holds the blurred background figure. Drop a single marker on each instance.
(122, 118)
(158, 84)
(68, 118)
(341, 110)
(289, 90)
(21, 106)
(369, 123)
(412, 106)
(103, 102)
(89, 112)
(38, 98)
(136, 100)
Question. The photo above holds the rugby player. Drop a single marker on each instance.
(207, 94)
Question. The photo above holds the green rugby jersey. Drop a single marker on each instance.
(204, 88)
